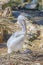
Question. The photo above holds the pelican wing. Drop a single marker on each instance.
(15, 43)
(14, 36)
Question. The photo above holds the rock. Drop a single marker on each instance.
(41, 46)
(31, 6)
(4, 1)
(27, 51)
(36, 64)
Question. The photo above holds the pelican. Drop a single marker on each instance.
(15, 42)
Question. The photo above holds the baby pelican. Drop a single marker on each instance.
(15, 42)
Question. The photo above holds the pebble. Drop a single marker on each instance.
(36, 64)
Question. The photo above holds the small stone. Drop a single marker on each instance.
(36, 64)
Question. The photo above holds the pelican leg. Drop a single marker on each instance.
(9, 51)
(8, 58)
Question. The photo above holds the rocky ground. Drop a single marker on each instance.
(21, 59)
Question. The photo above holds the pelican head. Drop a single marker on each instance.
(22, 21)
